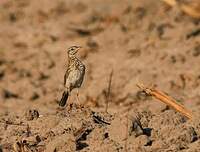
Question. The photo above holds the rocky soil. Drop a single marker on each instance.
(140, 40)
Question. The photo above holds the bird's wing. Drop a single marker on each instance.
(66, 76)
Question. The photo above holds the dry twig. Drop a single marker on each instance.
(108, 91)
(191, 8)
(127, 133)
(166, 99)
(170, 2)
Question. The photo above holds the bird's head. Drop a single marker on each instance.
(73, 50)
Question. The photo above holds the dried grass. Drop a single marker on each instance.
(192, 8)
(166, 99)
(108, 90)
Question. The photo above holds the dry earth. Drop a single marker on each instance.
(141, 40)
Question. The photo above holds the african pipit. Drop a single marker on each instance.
(74, 74)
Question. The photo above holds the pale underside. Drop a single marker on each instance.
(74, 79)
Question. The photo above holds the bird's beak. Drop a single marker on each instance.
(80, 47)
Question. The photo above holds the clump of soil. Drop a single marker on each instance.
(139, 40)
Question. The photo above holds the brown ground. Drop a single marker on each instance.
(141, 40)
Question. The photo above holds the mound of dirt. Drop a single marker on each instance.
(141, 41)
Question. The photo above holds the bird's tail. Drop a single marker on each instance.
(64, 98)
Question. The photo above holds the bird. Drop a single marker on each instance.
(74, 75)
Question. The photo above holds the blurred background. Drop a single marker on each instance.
(149, 41)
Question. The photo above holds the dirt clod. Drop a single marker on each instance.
(31, 114)
(140, 40)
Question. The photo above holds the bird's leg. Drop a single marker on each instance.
(77, 96)
(69, 105)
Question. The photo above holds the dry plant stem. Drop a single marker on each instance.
(167, 100)
(170, 2)
(126, 142)
(109, 90)
(192, 11)
(192, 8)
